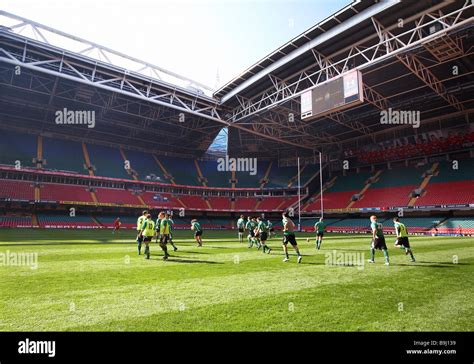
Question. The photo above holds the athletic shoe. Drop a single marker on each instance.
(165, 257)
(174, 249)
(412, 260)
(269, 250)
(286, 259)
(299, 258)
(371, 261)
(387, 263)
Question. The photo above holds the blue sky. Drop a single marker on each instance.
(194, 38)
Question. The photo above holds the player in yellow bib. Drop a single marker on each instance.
(165, 229)
(147, 232)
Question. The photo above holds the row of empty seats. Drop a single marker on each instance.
(392, 188)
(23, 190)
(105, 161)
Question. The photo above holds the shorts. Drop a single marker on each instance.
(140, 239)
(164, 238)
(263, 236)
(241, 230)
(198, 233)
(147, 239)
(403, 242)
(289, 239)
(320, 233)
(252, 233)
(379, 243)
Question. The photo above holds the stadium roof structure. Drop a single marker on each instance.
(405, 51)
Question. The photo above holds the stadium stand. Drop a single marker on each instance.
(144, 164)
(214, 177)
(63, 192)
(19, 190)
(16, 146)
(64, 155)
(116, 196)
(107, 161)
(457, 225)
(183, 170)
(66, 221)
(8, 221)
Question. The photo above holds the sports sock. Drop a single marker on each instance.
(411, 255)
(385, 253)
(372, 254)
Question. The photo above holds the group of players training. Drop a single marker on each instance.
(378, 238)
(162, 229)
(258, 232)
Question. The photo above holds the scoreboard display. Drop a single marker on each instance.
(336, 95)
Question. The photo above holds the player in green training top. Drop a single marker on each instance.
(171, 223)
(378, 240)
(250, 226)
(289, 237)
(270, 228)
(241, 228)
(164, 233)
(140, 221)
(196, 227)
(263, 234)
(320, 228)
(402, 238)
(147, 232)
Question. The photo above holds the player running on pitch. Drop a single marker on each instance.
(147, 232)
(262, 228)
(289, 237)
(378, 240)
(196, 227)
(117, 224)
(241, 228)
(250, 226)
(171, 223)
(320, 228)
(140, 221)
(402, 238)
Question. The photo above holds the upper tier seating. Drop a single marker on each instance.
(214, 177)
(63, 155)
(182, 170)
(15, 146)
(107, 161)
(144, 164)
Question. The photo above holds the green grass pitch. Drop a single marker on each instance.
(95, 281)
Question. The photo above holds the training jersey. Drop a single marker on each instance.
(240, 223)
(250, 225)
(157, 225)
(171, 223)
(377, 227)
(140, 221)
(262, 227)
(401, 229)
(290, 227)
(165, 226)
(196, 226)
(148, 227)
(320, 227)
